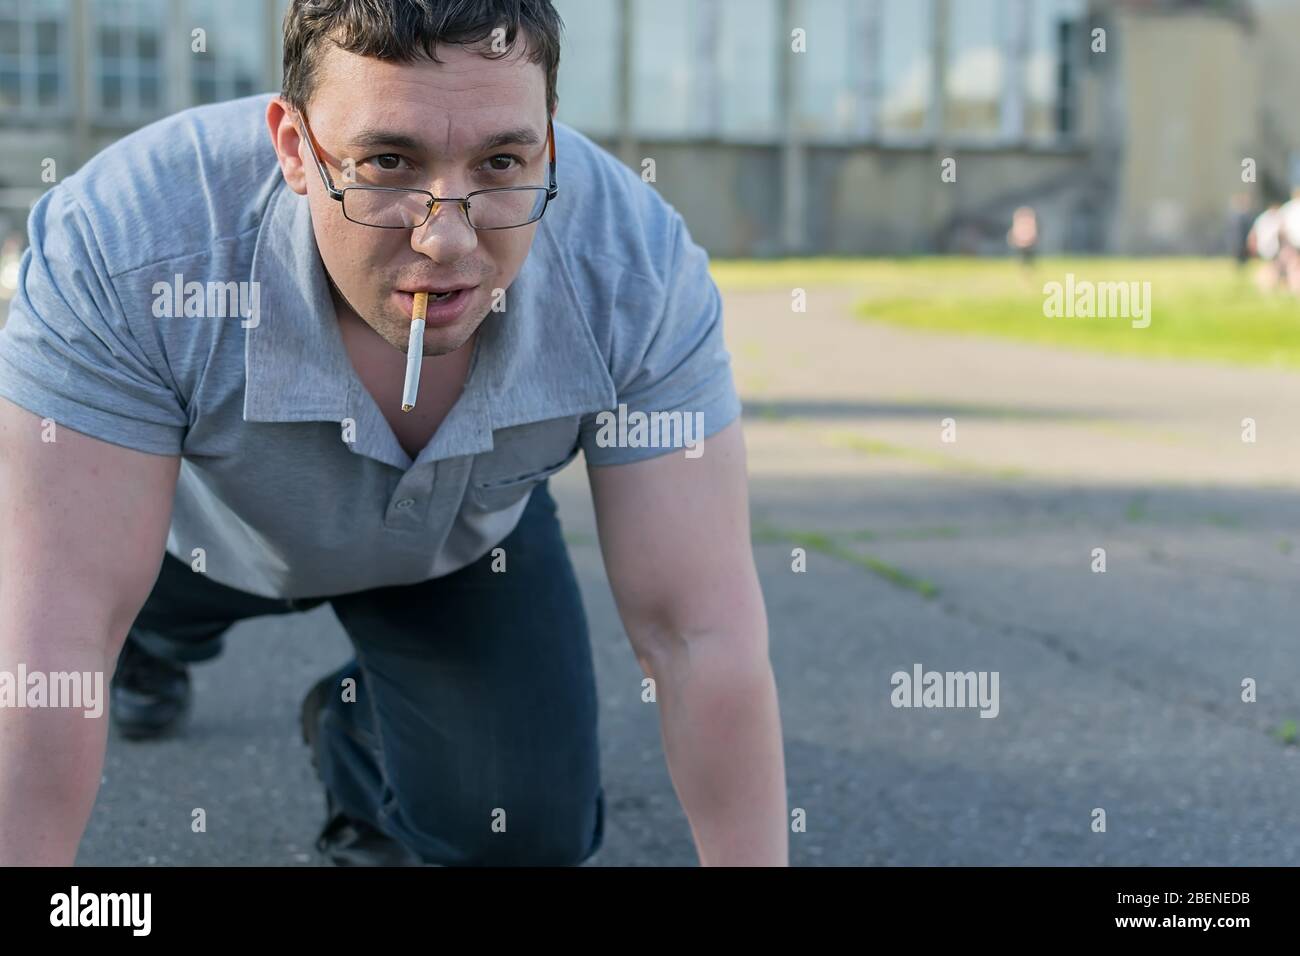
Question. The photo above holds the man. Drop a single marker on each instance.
(1241, 218)
(1266, 240)
(1289, 252)
(1022, 237)
(264, 448)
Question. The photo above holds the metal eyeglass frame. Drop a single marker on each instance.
(337, 194)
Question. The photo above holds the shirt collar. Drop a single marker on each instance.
(535, 360)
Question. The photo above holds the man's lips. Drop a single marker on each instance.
(440, 309)
(434, 289)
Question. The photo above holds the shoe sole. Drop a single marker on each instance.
(136, 732)
(132, 730)
(309, 716)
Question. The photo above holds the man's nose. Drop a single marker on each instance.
(446, 235)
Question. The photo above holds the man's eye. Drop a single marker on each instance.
(501, 163)
(388, 161)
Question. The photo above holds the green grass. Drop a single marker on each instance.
(763, 275)
(906, 534)
(934, 459)
(824, 544)
(1201, 309)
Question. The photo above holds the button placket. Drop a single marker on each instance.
(448, 497)
(410, 500)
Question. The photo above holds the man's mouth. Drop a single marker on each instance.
(446, 304)
(440, 293)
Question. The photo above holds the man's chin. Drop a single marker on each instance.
(448, 338)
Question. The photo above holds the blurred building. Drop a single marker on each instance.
(77, 74)
(1127, 140)
(836, 149)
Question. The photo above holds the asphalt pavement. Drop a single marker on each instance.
(1118, 691)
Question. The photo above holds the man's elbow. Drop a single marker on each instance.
(731, 637)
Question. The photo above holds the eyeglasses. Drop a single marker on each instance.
(388, 207)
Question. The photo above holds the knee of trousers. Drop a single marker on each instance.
(544, 828)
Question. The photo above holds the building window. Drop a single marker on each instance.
(831, 92)
(748, 43)
(1051, 71)
(127, 52)
(974, 87)
(665, 68)
(589, 65)
(34, 57)
(233, 63)
(906, 67)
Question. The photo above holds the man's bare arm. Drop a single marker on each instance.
(83, 524)
(674, 534)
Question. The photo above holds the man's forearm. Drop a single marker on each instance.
(52, 758)
(722, 739)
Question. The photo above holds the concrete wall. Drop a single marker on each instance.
(1190, 89)
(862, 200)
(1278, 59)
(730, 194)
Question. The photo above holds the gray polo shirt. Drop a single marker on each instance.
(292, 482)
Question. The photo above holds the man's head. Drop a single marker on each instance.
(448, 96)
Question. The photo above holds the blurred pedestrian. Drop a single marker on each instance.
(1266, 241)
(1290, 253)
(1240, 222)
(1022, 237)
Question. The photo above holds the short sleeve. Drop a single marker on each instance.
(680, 383)
(67, 352)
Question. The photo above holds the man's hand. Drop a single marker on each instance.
(674, 533)
(84, 526)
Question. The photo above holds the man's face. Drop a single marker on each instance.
(451, 128)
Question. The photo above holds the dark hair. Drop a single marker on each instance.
(402, 30)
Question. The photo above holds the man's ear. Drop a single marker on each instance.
(288, 144)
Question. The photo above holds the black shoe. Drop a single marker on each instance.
(345, 840)
(148, 696)
(309, 715)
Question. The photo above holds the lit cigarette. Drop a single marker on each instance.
(414, 352)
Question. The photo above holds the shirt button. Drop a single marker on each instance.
(406, 503)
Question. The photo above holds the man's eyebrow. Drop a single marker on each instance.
(377, 138)
(519, 136)
(381, 138)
